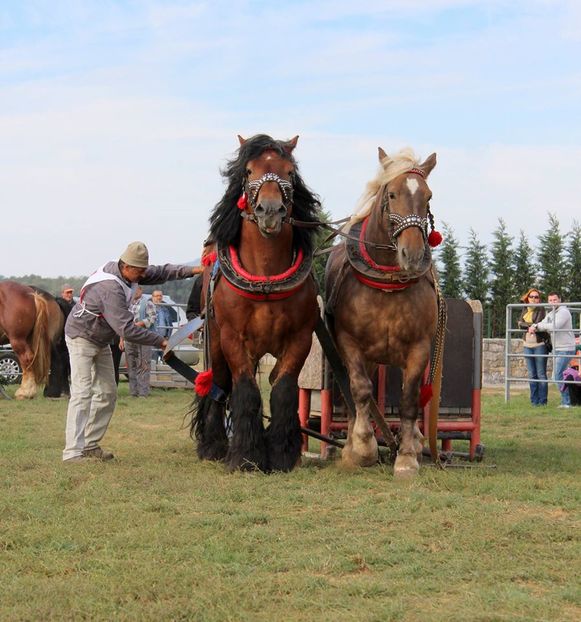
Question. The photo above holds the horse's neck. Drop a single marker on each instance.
(262, 256)
(377, 232)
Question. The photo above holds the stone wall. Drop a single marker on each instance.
(493, 361)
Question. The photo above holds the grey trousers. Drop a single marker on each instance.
(138, 368)
(93, 396)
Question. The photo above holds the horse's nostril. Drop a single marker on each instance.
(259, 210)
(282, 210)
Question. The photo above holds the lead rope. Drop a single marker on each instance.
(435, 373)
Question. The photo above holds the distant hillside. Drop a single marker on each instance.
(177, 290)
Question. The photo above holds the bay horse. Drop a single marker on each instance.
(263, 300)
(382, 301)
(31, 321)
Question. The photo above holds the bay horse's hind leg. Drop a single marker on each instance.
(208, 429)
(28, 387)
(247, 447)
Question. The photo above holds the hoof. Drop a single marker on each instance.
(23, 396)
(406, 466)
(351, 458)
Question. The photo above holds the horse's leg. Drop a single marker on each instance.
(28, 386)
(54, 386)
(208, 416)
(247, 447)
(406, 463)
(283, 435)
(361, 446)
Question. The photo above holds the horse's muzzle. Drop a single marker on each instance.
(269, 217)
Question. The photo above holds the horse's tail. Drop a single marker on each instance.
(40, 341)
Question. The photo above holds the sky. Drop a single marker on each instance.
(116, 116)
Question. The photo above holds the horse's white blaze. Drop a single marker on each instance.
(413, 185)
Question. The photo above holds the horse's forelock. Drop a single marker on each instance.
(225, 218)
(390, 168)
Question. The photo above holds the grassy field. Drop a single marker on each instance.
(157, 535)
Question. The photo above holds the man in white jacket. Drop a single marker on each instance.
(559, 324)
(101, 312)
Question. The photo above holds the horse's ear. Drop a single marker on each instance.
(241, 140)
(428, 164)
(291, 144)
(382, 155)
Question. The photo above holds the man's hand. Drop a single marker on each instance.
(197, 270)
(164, 344)
(122, 344)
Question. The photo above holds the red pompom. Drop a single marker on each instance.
(425, 394)
(209, 259)
(203, 382)
(243, 201)
(435, 238)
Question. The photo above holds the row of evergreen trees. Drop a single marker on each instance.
(501, 274)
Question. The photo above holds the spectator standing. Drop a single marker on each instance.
(138, 356)
(164, 317)
(535, 347)
(102, 312)
(559, 324)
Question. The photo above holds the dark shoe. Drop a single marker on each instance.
(98, 454)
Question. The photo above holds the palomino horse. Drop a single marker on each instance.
(382, 301)
(262, 300)
(31, 320)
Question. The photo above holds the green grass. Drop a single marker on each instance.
(157, 535)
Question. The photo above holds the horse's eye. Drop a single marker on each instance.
(248, 172)
(392, 196)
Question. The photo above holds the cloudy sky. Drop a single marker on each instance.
(116, 115)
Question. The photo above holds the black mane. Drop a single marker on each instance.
(225, 219)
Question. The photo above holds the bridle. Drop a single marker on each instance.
(401, 223)
(252, 188)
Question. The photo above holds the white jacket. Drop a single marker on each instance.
(559, 325)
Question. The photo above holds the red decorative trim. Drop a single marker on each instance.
(381, 285)
(275, 278)
(417, 171)
(209, 259)
(426, 393)
(242, 202)
(367, 257)
(262, 297)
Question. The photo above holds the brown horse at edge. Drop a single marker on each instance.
(31, 321)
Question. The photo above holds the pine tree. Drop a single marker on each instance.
(503, 282)
(449, 261)
(524, 265)
(476, 270)
(551, 259)
(573, 264)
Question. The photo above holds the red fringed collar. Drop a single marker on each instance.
(369, 272)
(263, 288)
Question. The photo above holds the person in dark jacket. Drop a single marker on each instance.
(536, 347)
(60, 366)
(101, 312)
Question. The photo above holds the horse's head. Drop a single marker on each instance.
(406, 205)
(268, 188)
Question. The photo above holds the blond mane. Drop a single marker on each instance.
(389, 169)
